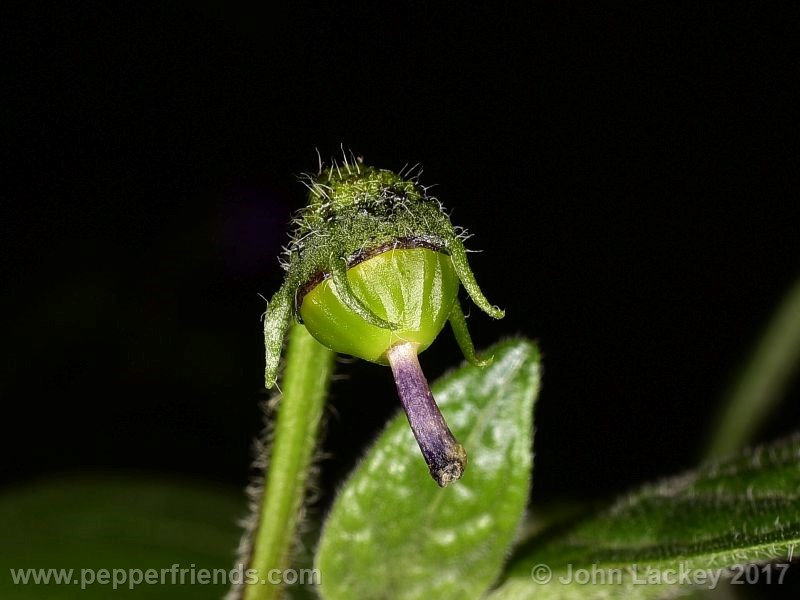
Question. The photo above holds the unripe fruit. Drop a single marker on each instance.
(412, 288)
(373, 270)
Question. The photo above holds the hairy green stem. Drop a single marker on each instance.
(766, 375)
(309, 367)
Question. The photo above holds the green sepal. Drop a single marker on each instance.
(460, 263)
(458, 323)
(276, 322)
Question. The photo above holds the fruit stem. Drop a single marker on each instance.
(445, 457)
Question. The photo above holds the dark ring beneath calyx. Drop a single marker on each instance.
(363, 255)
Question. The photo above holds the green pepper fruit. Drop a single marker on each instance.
(414, 288)
(373, 270)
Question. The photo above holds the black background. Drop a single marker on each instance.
(627, 174)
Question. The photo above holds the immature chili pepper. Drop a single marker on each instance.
(373, 270)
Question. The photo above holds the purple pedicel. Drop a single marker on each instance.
(446, 458)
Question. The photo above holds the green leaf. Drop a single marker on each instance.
(114, 523)
(393, 533)
(763, 381)
(742, 510)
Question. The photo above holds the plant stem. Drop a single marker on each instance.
(305, 380)
(763, 380)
